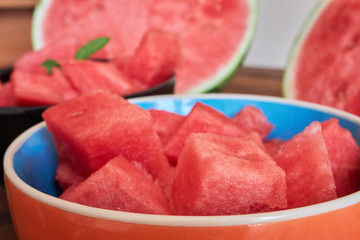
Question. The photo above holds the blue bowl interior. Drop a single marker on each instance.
(36, 160)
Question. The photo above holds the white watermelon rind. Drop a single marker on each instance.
(215, 83)
(36, 24)
(288, 82)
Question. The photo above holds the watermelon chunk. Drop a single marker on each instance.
(165, 123)
(273, 145)
(155, 58)
(5, 95)
(220, 175)
(118, 185)
(202, 118)
(251, 119)
(305, 159)
(66, 176)
(88, 75)
(61, 50)
(95, 127)
(344, 154)
(37, 89)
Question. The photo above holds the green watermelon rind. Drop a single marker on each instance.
(288, 85)
(214, 84)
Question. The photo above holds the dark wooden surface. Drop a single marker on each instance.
(245, 80)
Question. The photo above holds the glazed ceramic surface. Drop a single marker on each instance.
(37, 213)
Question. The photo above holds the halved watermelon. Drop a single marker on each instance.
(215, 35)
(323, 66)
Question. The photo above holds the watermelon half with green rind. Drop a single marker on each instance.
(215, 35)
(323, 64)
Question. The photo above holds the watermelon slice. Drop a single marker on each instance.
(118, 185)
(203, 118)
(97, 126)
(305, 159)
(219, 175)
(344, 155)
(323, 67)
(215, 35)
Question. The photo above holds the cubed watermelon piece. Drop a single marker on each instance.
(58, 51)
(155, 58)
(95, 127)
(87, 75)
(165, 123)
(273, 145)
(30, 89)
(220, 175)
(344, 154)
(251, 118)
(202, 118)
(66, 176)
(118, 185)
(5, 95)
(305, 159)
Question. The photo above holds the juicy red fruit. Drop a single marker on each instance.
(219, 175)
(156, 57)
(96, 127)
(305, 159)
(119, 185)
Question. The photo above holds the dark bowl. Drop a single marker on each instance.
(15, 120)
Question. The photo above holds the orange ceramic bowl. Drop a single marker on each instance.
(38, 213)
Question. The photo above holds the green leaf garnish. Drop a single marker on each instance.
(90, 48)
(49, 65)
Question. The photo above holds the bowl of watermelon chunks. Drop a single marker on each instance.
(64, 70)
(219, 166)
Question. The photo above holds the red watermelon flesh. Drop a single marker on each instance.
(202, 118)
(66, 176)
(118, 185)
(210, 31)
(156, 57)
(219, 175)
(326, 68)
(97, 126)
(344, 154)
(251, 119)
(88, 75)
(305, 159)
(5, 95)
(30, 89)
(165, 123)
(61, 50)
(272, 146)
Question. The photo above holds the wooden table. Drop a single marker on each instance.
(245, 80)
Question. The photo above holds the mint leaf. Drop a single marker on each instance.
(90, 48)
(49, 65)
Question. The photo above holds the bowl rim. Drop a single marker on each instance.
(176, 220)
